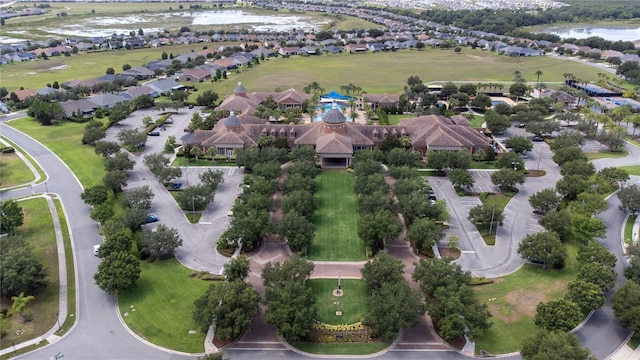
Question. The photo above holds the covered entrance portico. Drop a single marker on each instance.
(335, 161)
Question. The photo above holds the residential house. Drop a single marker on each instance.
(164, 86)
(381, 100)
(290, 50)
(133, 92)
(194, 75)
(140, 73)
(22, 95)
(80, 107)
(106, 100)
(356, 48)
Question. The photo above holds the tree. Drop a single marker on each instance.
(195, 197)
(158, 165)
(481, 101)
(519, 144)
(139, 197)
(602, 276)
(496, 122)
(131, 138)
(506, 179)
(92, 135)
(439, 272)
(392, 308)
(95, 195)
(612, 175)
(544, 200)
(558, 315)
(237, 268)
(588, 204)
(538, 74)
(558, 222)
(116, 241)
(554, 345)
(437, 160)
(571, 185)
(629, 198)
(461, 178)
(510, 160)
(596, 253)
(232, 305)
(120, 161)
(376, 228)
(383, 269)
(424, 233)
(296, 230)
(632, 272)
(207, 98)
(544, 247)
(21, 271)
(484, 216)
(563, 155)
(459, 159)
(106, 148)
(587, 296)
(291, 305)
(110, 71)
(119, 112)
(302, 202)
(117, 272)
(102, 212)
(567, 138)
(11, 216)
(518, 89)
(45, 112)
(115, 180)
(579, 167)
(626, 305)
(212, 178)
(587, 228)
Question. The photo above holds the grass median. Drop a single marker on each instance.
(353, 302)
(336, 220)
(65, 140)
(512, 300)
(159, 307)
(14, 171)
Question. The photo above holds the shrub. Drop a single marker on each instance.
(27, 317)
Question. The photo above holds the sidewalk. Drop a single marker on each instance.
(626, 353)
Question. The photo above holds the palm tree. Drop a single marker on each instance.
(20, 303)
(538, 74)
(517, 76)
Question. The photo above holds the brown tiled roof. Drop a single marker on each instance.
(23, 94)
(334, 143)
(382, 98)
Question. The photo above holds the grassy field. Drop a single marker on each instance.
(65, 141)
(159, 307)
(353, 303)
(395, 119)
(336, 220)
(607, 154)
(633, 169)
(512, 301)
(14, 171)
(342, 349)
(330, 71)
(38, 231)
(628, 229)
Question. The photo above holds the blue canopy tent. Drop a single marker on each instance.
(336, 96)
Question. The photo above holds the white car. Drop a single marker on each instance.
(96, 250)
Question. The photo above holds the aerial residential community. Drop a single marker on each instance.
(349, 179)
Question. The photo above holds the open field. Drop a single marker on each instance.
(65, 141)
(512, 301)
(353, 302)
(38, 231)
(330, 71)
(159, 307)
(13, 171)
(336, 220)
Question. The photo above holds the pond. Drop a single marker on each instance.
(108, 25)
(584, 31)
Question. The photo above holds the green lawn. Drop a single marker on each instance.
(159, 307)
(633, 169)
(477, 121)
(499, 200)
(395, 119)
(71, 274)
(14, 171)
(483, 165)
(628, 229)
(607, 154)
(342, 348)
(65, 141)
(512, 301)
(38, 231)
(182, 161)
(336, 220)
(353, 302)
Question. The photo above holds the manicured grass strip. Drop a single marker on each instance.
(65, 141)
(71, 278)
(182, 161)
(512, 301)
(607, 154)
(477, 121)
(14, 171)
(342, 348)
(633, 169)
(336, 220)
(628, 229)
(499, 200)
(353, 302)
(483, 165)
(38, 231)
(395, 119)
(159, 307)
(28, 157)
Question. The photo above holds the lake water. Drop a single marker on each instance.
(106, 25)
(607, 33)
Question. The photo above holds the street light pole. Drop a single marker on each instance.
(493, 213)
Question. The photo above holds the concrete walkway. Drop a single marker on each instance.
(626, 353)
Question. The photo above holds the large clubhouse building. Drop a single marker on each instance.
(334, 138)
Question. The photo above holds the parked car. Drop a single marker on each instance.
(522, 125)
(537, 139)
(96, 250)
(176, 185)
(153, 133)
(151, 218)
(191, 106)
(169, 121)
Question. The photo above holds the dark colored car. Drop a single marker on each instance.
(537, 139)
(154, 133)
(176, 185)
(151, 218)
